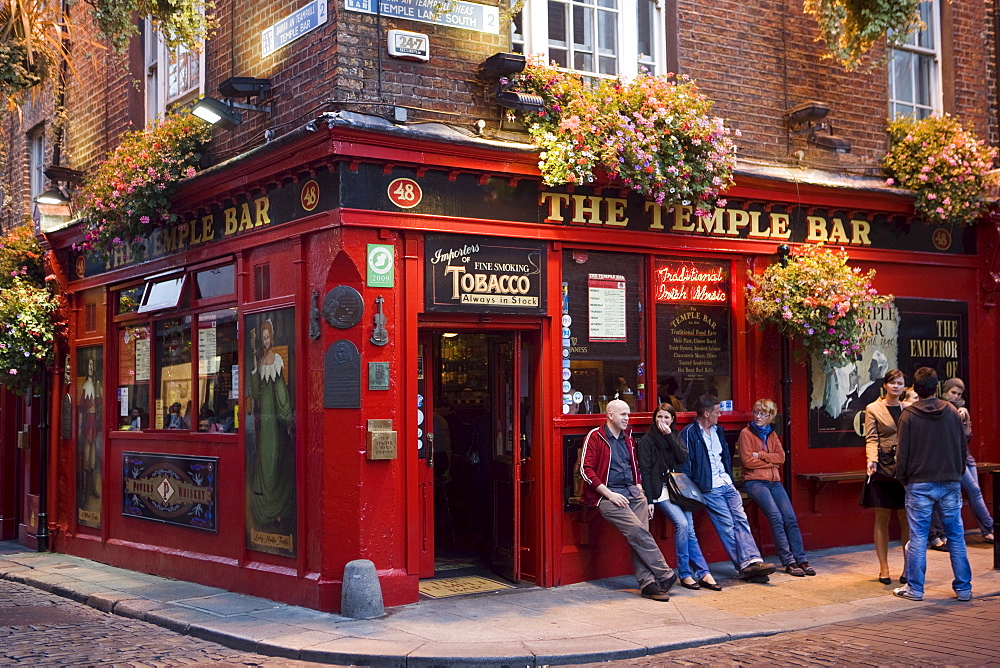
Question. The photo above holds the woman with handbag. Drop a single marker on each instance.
(660, 453)
(762, 456)
(882, 491)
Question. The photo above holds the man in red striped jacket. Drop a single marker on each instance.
(612, 484)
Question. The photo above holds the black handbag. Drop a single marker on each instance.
(885, 467)
(682, 491)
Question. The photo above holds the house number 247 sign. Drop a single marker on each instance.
(405, 193)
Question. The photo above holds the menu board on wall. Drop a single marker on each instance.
(606, 303)
(693, 330)
(909, 334)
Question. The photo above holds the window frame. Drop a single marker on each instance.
(157, 73)
(189, 307)
(918, 54)
(534, 36)
(36, 161)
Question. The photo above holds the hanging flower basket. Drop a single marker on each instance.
(654, 135)
(128, 195)
(29, 311)
(944, 164)
(850, 28)
(819, 298)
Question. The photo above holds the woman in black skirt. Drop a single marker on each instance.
(882, 491)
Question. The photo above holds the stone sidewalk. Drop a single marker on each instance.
(586, 622)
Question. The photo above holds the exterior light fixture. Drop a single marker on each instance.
(807, 119)
(53, 195)
(216, 112)
(503, 65)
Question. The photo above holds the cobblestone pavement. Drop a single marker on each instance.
(947, 634)
(42, 629)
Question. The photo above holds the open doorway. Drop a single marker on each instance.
(480, 414)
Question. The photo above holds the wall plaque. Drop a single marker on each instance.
(378, 375)
(342, 376)
(381, 440)
(343, 307)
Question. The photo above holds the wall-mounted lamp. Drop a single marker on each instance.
(57, 194)
(807, 119)
(223, 113)
(500, 66)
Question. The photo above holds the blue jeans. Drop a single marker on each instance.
(773, 500)
(690, 561)
(970, 485)
(921, 499)
(725, 508)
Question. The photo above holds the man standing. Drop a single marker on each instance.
(930, 462)
(710, 466)
(612, 484)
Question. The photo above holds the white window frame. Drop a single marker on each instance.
(931, 14)
(159, 65)
(535, 30)
(36, 161)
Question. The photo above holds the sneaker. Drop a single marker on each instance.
(653, 591)
(964, 595)
(809, 570)
(904, 592)
(795, 571)
(939, 544)
(757, 568)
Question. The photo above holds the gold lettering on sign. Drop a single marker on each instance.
(271, 540)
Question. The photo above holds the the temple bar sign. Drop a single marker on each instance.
(477, 275)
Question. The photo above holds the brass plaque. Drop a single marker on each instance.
(380, 425)
(381, 445)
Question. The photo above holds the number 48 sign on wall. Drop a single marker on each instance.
(405, 193)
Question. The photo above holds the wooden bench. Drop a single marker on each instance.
(817, 481)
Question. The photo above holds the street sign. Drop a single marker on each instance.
(455, 13)
(289, 29)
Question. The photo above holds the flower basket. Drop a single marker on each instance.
(28, 311)
(819, 298)
(850, 28)
(128, 195)
(653, 135)
(944, 164)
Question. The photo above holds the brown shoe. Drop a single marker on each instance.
(653, 591)
(756, 569)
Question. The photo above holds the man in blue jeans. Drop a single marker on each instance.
(930, 462)
(710, 466)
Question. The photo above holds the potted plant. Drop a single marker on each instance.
(945, 164)
(850, 28)
(654, 135)
(818, 297)
(29, 309)
(128, 195)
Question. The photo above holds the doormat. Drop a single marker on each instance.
(473, 584)
(452, 564)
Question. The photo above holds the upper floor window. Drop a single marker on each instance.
(173, 76)
(915, 69)
(595, 37)
(36, 161)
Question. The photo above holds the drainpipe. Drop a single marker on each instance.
(786, 391)
(42, 531)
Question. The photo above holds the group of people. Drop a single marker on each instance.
(625, 481)
(918, 460)
(918, 465)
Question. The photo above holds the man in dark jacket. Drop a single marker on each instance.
(710, 466)
(930, 462)
(612, 483)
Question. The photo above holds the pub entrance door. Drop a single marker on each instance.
(478, 417)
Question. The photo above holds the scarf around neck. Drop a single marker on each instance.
(762, 432)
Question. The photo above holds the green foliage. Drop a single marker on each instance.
(184, 23)
(29, 309)
(128, 195)
(819, 297)
(851, 27)
(944, 164)
(653, 134)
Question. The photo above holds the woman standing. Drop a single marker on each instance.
(659, 453)
(882, 491)
(762, 457)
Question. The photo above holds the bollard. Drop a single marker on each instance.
(361, 597)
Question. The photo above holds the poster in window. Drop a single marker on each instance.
(269, 400)
(89, 435)
(908, 334)
(606, 302)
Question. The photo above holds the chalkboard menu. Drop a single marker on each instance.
(693, 329)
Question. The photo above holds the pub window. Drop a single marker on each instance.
(602, 331)
(693, 330)
(178, 365)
